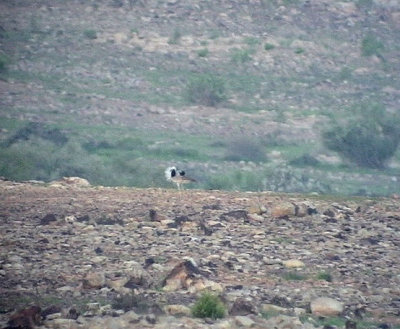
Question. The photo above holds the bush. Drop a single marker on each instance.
(304, 160)
(370, 45)
(368, 140)
(37, 129)
(90, 34)
(208, 306)
(205, 89)
(202, 52)
(239, 56)
(4, 61)
(175, 38)
(269, 46)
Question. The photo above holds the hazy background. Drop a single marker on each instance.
(291, 96)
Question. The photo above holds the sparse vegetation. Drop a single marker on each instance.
(4, 61)
(268, 46)
(208, 306)
(90, 34)
(175, 37)
(294, 276)
(245, 149)
(369, 139)
(273, 95)
(240, 56)
(371, 45)
(326, 276)
(202, 52)
(205, 89)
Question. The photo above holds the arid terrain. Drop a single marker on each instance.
(100, 257)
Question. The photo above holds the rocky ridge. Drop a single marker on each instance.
(96, 257)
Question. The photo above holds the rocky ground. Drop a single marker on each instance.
(97, 257)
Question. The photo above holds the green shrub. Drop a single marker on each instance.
(202, 52)
(324, 276)
(175, 37)
(90, 34)
(368, 140)
(294, 276)
(208, 306)
(4, 61)
(370, 45)
(269, 46)
(304, 160)
(37, 129)
(205, 89)
(251, 41)
(239, 56)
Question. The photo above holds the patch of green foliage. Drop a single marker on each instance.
(368, 139)
(371, 45)
(240, 56)
(90, 34)
(294, 276)
(251, 41)
(325, 276)
(299, 51)
(205, 89)
(175, 37)
(4, 61)
(268, 46)
(208, 306)
(203, 52)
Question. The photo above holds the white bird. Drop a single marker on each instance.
(177, 176)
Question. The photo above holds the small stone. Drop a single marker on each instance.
(325, 306)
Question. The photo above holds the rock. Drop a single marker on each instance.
(283, 210)
(271, 308)
(76, 181)
(177, 310)
(27, 318)
(49, 218)
(62, 324)
(255, 217)
(293, 263)
(242, 306)
(325, 306)
(284, 322)
(94, 280)
(236, 214)
(181, 276)
(244, 321)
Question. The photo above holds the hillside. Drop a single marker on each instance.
(100, 257)
(102, 89)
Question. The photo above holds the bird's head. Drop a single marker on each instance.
(170, 172)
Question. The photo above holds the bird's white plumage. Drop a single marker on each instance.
(168, 172)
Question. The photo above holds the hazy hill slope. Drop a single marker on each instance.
(114, 77)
